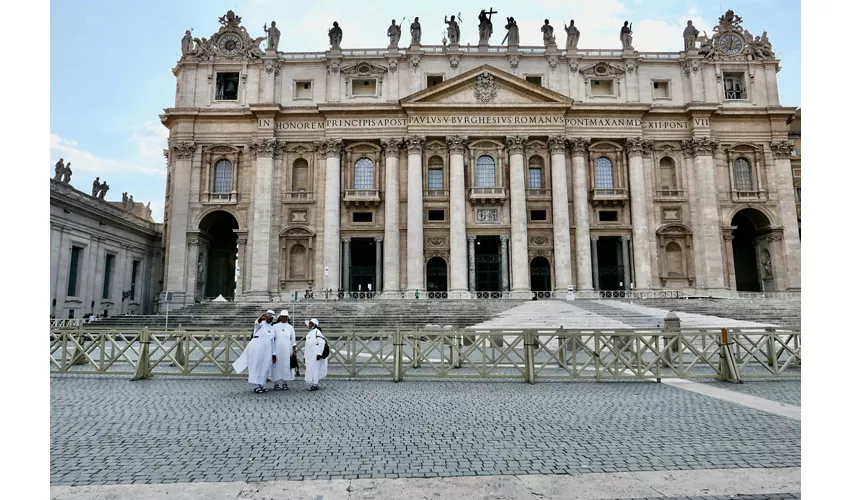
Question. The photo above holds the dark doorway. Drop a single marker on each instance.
(436, 272)
(749, 223)
(488, 264)
(541, 275)
(362, 270)
(611, 270)
(219, 276)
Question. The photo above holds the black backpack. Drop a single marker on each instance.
(327, 350)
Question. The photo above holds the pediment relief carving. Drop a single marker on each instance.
(363, 69)
(602, 69)
(673, 229)
(363, 147)
(436, 147)
(296, 231)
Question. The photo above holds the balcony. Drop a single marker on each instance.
(609, 196)
(362, 197)
(221, 198)
(487, 194)
(538, 194)
(298, 196)
(436, 194)
(670, 194)
(749, 196)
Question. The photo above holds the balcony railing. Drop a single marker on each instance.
(229, 197)
(436, 194)
(670, 193)
(538, 193)
(487, 194)
(297, 196)
(749, 195)
(362, 196)
(609, 194)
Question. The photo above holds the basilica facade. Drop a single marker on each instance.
(472, 170)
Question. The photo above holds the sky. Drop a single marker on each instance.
(111, 62)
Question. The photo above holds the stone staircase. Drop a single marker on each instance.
(785, 312)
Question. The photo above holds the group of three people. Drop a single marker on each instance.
(271, 353)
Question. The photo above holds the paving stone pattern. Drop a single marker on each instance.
(107, 430)
(782, 391)
(769, 496)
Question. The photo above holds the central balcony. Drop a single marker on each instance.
(538, 194)
(300, 196)
(749, 196)
(487, 195)
(362, 197)
(612, 196)
(437, 194)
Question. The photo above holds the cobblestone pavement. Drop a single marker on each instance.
(782, 391)
(107, 430)
(769, 496)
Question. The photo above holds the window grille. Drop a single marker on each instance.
(485, 172)
(364, 174)
(223, 176)
(604, 173)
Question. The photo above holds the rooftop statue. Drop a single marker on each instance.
(485, 26)
(690, 35)
(273, 36)
(335, 35)
(415, 31)
(548, 33)
(453, 30)
(394, 32)
(626, 36)
(572, 34)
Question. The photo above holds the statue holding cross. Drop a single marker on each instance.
(485, 26)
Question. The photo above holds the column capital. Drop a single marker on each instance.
(470, 239)
(558, 144)
(183, 150)
(457, 144)
(516, 144)
(782, 149)
(699, 146)
(625, 238)
(241, 241)
(329, 148)
(579, 145)
(638, 146)
(391, 145)
(263, 147)
(594, 238)
(379, 239)
(414, 143)
(504, 238)
(346, 240)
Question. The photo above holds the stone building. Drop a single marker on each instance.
(468, 169)
(104, 259)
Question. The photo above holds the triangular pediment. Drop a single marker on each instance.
(486, 86)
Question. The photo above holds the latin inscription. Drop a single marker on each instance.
(355, 123)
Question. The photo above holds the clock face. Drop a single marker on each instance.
(731, 45)
(229, 44)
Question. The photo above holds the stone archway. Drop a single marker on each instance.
(541, 275)
(217, 268)
(436, 274)
(751, 255)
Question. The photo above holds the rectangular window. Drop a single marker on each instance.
(535, 178)
(485, 175)
(107, 275)
(223, 176)
(74, 271)
(364, 87)
(133, 278)
(436, 215)
(538, 215)
(660, 90)
(361, 217)
(435, 178)
(303, 90)
(797, 189)
(70, 314)
(432, 80)
(733, 86)
(226, 86)
(537, 80)
(601, 87)
(607, 216)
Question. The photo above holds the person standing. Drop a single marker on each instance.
(314, 344)
(260, 353)
(284, 338)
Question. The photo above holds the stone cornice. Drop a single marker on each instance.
(516, 144)
(782, 149)
(414, 143)
(391, 146)
(558, 144)
(457, 144)
(182, 150)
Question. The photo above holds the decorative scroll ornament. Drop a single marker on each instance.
(558, 144)
(539, 240)
(391, 146)
(273, 67)
(516, 144)
(485, 88)
(263, 147)
(454, 61)
(414, 143)
(457, 144)
(579, 145)
(782, 149)
(183, 150)
(437, 242)
(414, 61)
(553, 62)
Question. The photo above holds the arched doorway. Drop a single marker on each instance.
(749, 225)
(541, 275)
(219, 277)
(436, 275)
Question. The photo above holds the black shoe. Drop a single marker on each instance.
(314, 388)
(284, 387)
(277, 386)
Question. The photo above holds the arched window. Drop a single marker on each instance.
(743, 175)
(364, 174)
(535, 172)
(604, 173)
(485, 172)
(675, 266)
(297, 262)
(435, 173)
(299, 175)
(222, 175)
(668, 174)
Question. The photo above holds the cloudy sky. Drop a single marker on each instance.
(110, 62)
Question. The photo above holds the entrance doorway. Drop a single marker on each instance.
(488, 264)
(750, 224)
(436, 272)
(362, 270)
(219, 277)
(541, 275)
(610, 257)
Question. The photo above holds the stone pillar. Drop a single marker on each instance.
(504, 274)
(392, 253)
(706, 209)
(787, 212)
(415, 219)
(241, 252)
(263, 150)
(346, 264)
(580, 215)
(332, 148)
(471, 255)
(560, 213)
(380, 255)
(595, 261)
(640, 224)
(519, 217)
(627, 272)
(182, 153)
(457, 216)
(192, 271)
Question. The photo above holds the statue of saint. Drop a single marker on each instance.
(485, 26)
(512, 35)
(415, 32)
(335, 34)
(186, 43)
(453, 30)
(103, 189)
(66, 175)
(124, 199)
(394, 32)
(626, 36)
(690, 35)
(273, 36)
(95, 186)
(572, 35)
(59, 170)
(548, 33)
(130, 203)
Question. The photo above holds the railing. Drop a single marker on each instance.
(487, 192)
(538, 193)
(600, 53)
(670, 193)
(602, 194)
(437, 295)
(297, 195)
(436, 193)
(362, 195)
(770, 295)
(371, 52)
(629, 294)
(532, 50)
(303, 56)
(659, 55)
(749, 195)
(65, 323)
(553, 354)
(490, 295)
(221, 197)
(543, 295)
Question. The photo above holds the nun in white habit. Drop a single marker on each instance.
(284, 337)
(260, 354)
(314, 344)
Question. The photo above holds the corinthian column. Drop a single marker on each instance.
(175, 269)
(392, 240)
(519, 217)
(263, 151)
(415, 234)
(560, 212)
(640, 222)
(457, 216)
(332, 148)
(787, 211)
(583, 262)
